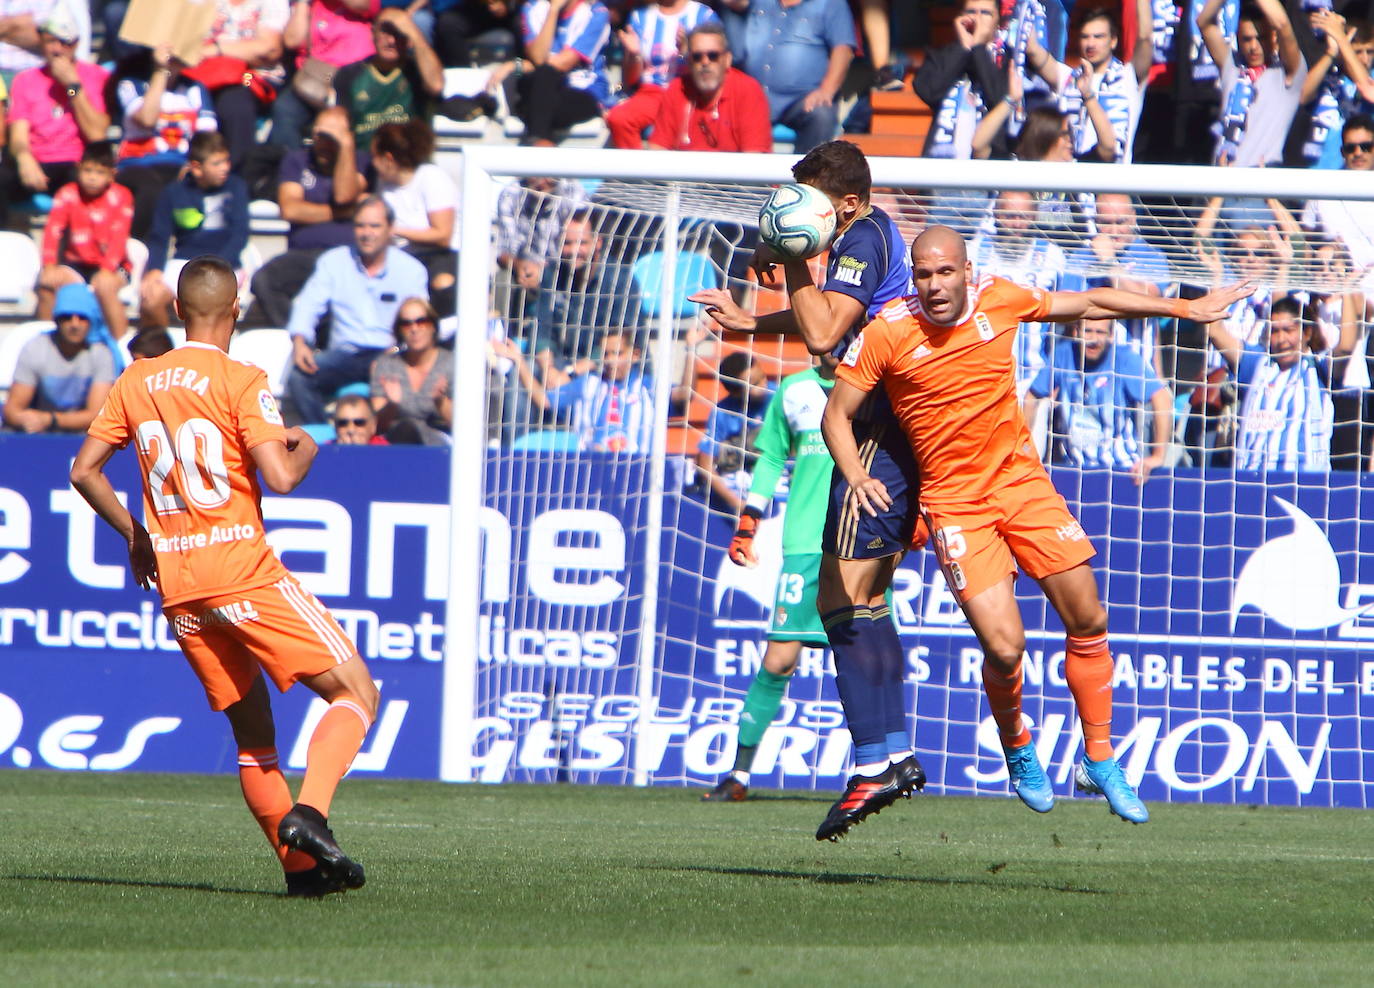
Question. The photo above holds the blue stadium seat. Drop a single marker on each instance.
(546, 441)
(694, 272)
(359, 388)
(321, 432)
(783, 134)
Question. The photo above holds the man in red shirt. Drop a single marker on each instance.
(714, 107)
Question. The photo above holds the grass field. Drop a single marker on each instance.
(143, 879)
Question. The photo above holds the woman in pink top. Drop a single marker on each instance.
(335, 31)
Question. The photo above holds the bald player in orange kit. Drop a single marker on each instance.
(205, 426)
(946, 359)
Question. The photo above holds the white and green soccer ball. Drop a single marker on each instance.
(797, 221)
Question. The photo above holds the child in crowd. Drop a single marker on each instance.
(86, 237)
(206, 211)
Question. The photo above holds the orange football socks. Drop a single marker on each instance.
(1004, 697)
(333, 746)
(269, 799)
(1088, 669)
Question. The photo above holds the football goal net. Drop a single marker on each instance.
(596, 631)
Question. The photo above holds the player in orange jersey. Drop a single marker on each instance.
(945, 358)
(204, 427)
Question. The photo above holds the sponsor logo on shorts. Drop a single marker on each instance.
(1071, 533)
(240, 612)
(875, 543)
(957, 577)
(268, 406)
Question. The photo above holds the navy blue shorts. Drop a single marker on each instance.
(851, 534)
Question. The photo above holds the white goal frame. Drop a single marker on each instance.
(483, 165)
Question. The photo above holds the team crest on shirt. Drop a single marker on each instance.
(268, 406)
(984, 324)
(851, 356)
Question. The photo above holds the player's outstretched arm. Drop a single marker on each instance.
(1116, 303)
(88, 477)
(284, 465)
(837, 425)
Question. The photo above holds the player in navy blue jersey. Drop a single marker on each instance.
(868, 267)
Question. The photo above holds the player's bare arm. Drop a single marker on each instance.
(837, 425)
(1116, 303)
(820, 318)
(88, 477)
(284, 465)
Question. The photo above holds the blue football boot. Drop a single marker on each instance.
(1105, 778)
(1029, 779)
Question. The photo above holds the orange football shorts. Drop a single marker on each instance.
(281, 628)
(1025, 525)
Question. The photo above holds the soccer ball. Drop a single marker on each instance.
(797, 221)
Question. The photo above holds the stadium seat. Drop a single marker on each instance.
(546, 441)
(269, 349)
(588, 130)
(694, 272)
(321, 432)
(249, 263)
(465, 82)
(12, 342)
(358, 389)
(783, 134)
(264, 218)
(138, 260)
(19, 272)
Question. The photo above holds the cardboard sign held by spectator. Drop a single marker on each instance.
(184, 24)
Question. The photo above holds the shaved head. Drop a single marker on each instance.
(207, 290)
(940, 271)
(942, 238)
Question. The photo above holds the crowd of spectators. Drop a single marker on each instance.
(365, 287)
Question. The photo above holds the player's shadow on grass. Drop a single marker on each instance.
(869, 878)
(136, 883)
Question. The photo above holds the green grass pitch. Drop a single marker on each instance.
(165, 880)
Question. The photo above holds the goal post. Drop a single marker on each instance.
(595, 633)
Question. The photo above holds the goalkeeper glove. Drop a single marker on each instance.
(742, 545)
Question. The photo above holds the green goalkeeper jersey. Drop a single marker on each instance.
(792, 428)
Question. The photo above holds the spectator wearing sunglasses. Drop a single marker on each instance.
(355, 423)
(654, 42)
(62, 377)
(412, 386)
(715, 106)
(1348, 221)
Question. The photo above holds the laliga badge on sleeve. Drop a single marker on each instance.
(851, 356)
(268, 406)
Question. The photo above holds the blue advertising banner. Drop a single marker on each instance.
(1239, 611)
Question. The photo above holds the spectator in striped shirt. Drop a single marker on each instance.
(1102, 86)
(1285, 401)
(654, 42)
(561, 80)
(610, 410)
(1098, 388)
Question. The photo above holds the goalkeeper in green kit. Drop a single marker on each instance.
(791, 428)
